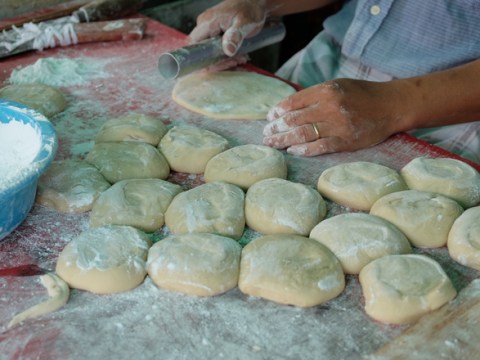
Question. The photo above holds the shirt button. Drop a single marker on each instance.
(375, 10)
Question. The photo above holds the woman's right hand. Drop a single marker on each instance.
(235, 19)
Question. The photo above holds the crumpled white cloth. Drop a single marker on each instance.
(44, 35)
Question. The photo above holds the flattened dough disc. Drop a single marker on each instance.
(237, 95)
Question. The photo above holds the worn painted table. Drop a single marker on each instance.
(150, 322)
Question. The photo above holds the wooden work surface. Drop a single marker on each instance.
(150, 322)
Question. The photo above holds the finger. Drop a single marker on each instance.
(291, 120)
(209, 24)
(318, 147)
(227, 63)
(299, 135)
(234, 35)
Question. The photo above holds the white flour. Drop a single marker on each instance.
(19, 145)
(60, 72)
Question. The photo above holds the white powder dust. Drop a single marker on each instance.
(60, 72)
(19, 145)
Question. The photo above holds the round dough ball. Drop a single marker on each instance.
(290, 269)
(42, 98)
(449, 177)
(245, 165)
(105, 260)
(424, 217)
(230, 94)
(399, 289)
(135, 202)
(216, 208)
(278, 206)
(359, 184)
(70, 186)
(132, 128)
(188, 149)
(120, 161)
(464, 239)
(196, 264)
(356, 239)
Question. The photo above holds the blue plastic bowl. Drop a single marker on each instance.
(17, 195)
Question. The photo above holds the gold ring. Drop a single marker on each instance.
(314, 125)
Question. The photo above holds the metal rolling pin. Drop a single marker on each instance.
(189, 58)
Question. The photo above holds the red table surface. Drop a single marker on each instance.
(149, 321)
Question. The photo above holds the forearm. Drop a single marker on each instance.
(285, 7)
(442, 98)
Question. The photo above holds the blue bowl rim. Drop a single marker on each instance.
(49, 142)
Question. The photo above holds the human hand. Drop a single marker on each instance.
(338, 115)
(236, 19)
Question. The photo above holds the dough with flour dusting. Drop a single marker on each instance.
(359, 184)
(140, 203)
(188, 149)
(196, 264)
(278, 206)
(105, 260)
(216, 208)
(424, 217)
(245, 165)
(42, 98)
(357, 238)
(124, 160)
(290, 269)
(70, 186)
(132, 128)
(449, 177)
(464, 238)
(230, 94)
(399, 289)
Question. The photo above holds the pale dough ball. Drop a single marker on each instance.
(445, 176)
(424, 217)
(290, 269)
(188, 149)
(196, 264)
(359, 184)
(120, 161)
(132, 128)
(464, 238)
(216, 208)
(278, 206)
(357, 238)
(245, 165)
(70, 186)
(136, 202)
(230, 94)
(42, 98)
(105, 260)
(399, 289)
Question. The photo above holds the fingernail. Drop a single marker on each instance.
(230, 49)
(267, 141)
